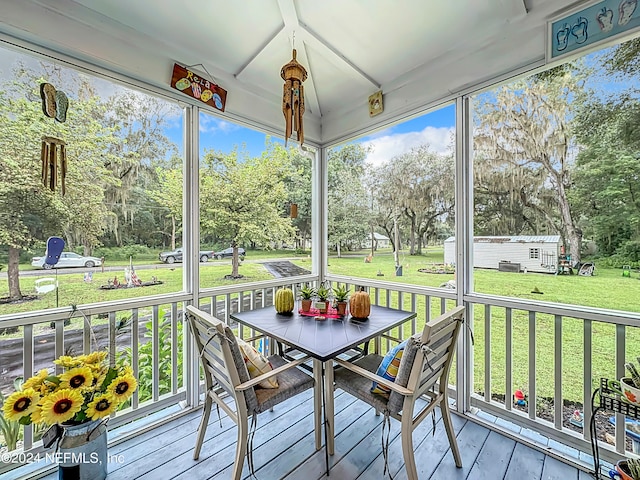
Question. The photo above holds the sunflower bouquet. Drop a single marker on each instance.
(87, 389)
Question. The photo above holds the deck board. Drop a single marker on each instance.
(525, 463)
(494, 458)
(470, 441)
(556, 470)
(284, 448)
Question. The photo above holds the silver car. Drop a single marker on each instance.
(68, 260)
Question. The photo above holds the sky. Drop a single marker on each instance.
(435, 128)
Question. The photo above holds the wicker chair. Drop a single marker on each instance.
(426, 360)
(224, 366)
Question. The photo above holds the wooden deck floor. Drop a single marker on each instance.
(284, 449)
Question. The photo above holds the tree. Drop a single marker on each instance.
(624, 58)
(298, 186)
(30, 211)
(348, 197)
(168, 194)
(243, 200)
(525, 131)
(608, 173)
(418, 187)
(138, 121)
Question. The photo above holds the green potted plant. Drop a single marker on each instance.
(322, 292)
(340, 295)
(306, 294)
(628, 469)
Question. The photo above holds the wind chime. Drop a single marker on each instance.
(293, 75)
(53, 158)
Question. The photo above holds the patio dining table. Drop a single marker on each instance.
(323, 340)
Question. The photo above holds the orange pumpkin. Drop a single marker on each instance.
(360, 304)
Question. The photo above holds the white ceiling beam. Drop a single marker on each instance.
(514, 8)
(292, 24)
(276, 35)
(338, 58)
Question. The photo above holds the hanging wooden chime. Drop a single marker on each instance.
(293, 75)
(53, 158)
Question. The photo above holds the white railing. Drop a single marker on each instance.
(146, 330)
(568, 330)
(174, 371)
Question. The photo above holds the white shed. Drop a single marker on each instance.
(537, 253)
(382, 241)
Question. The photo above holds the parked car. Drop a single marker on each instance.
(69, 259)
(228, 252)
(176, 256)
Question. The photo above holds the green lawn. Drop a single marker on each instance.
(607, 289)
(74, 290)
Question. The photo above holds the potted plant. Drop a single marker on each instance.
(340, 295)
(322, 292)
(75, 404)
(306, 294)
(628, 469)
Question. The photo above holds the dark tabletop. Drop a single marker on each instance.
(322, 339)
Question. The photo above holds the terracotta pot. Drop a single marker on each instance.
(342, 308)
(621, 471)
(306, 305)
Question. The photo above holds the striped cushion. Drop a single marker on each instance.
(257, 364)
(388, 368)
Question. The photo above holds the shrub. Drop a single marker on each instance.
(146, 360)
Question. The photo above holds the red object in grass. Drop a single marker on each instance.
(519, 394)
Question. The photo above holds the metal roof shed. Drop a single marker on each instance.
(538, 253)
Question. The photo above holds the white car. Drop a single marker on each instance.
(68, 260)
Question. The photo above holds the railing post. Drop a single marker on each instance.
(532, 366)
(586, 378)
(508, 380)
(557, 397)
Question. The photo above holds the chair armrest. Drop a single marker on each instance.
(392, 338)
(254, 338)
(374, 378)
(255, 381)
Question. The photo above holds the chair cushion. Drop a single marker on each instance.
(241, 367)
(257, 364)
(404, 371)
(291, 382)
(388, 368)
(359, 386)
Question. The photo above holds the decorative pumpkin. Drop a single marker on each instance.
(360, 304)
(284, 300)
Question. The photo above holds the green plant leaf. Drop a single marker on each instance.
(26, 420)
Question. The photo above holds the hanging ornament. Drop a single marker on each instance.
(293, 75)
(53, 158)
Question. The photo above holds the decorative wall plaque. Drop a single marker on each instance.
(197, 87)
(591, 24)
(375, 104)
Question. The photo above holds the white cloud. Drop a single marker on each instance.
(387, 146)
(211, 124)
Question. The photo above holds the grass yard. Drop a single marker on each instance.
(74, 290)
(607, 289)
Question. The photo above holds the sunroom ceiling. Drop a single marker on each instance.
(417, 52)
